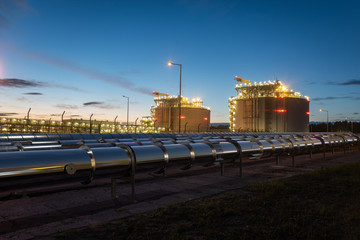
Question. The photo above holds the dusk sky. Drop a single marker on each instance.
(81, 56)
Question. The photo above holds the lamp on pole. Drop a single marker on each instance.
(28, 120)
(115, 123)
(62, 121)
(90, 122)
(327, 118)
(136, 124)
(170, 64)
(127, 115)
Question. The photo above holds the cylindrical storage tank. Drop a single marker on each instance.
(16, 164)
(148, 154)
(111, 157)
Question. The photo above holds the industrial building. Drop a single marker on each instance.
(268, 107)
(167, 110)
(19, 125)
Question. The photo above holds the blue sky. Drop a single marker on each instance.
(81, 56)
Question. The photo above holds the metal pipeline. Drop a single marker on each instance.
(110, 152)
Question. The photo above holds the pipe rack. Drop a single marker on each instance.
(45, 154)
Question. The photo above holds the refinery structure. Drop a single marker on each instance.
(187, 116)
(259, 107)
(28, 125)
(267, 107)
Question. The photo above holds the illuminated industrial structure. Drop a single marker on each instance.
(268, 107)
(18, 125)
(194, 117)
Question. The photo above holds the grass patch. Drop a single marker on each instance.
(323, 204)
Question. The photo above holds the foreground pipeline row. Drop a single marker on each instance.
(43, 154)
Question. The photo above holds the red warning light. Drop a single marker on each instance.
(182, 117)
(205, 118)
(307, 113)
(280, 110)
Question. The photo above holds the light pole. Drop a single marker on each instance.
(327, 118)
(171, 63)
(62, 121)
(136, 123)
(127, 116)
(90, 122)
(28, 120)
(115, 123)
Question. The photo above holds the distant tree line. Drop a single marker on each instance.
(338, 126)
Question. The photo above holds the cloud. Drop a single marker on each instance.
(92, 103)
(7, 114)
(101, 105)
(329, 98)
(349, 82)
(19, 83)
(356, 113)
(55, 85)
(75, 115)
(88, 72)
(66, 106)
(32, 93)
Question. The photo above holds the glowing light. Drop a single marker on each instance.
(170, 63)
(205, 118)
(280, 110)
(307, 113)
